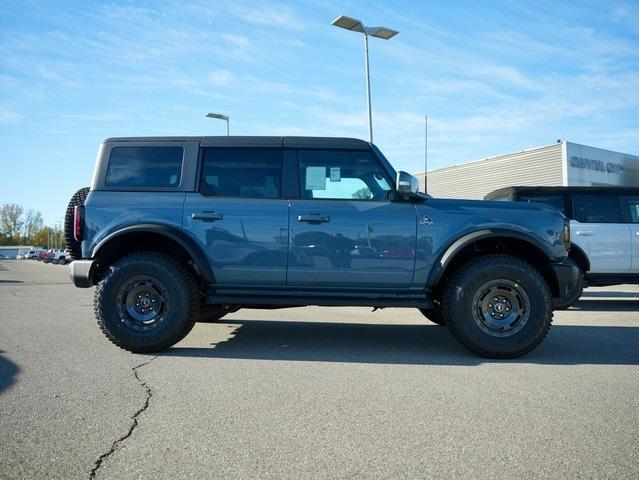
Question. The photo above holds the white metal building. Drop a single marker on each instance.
(563, 163)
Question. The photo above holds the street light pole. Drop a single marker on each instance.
(368, 91)
(219, 116)
(384, 33)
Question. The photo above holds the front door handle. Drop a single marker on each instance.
(207, 216)
(585, 233)
(313, 218)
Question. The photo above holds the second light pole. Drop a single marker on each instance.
(385, 33)
(219, 116)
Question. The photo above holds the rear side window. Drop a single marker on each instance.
(144, 167)
(555, 201)
(241, 172)
(596, 208)
(633, 207)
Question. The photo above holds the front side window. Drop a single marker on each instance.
(633, 207)
(144, 167)
(342, 175)
(589, 208)
(241, 172)
(555, 201)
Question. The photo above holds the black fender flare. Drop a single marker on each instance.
(462, 242)
(187, 243)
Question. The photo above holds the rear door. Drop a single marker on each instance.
(632, 206)
(599, 230)
(345, 231)
(239, 217)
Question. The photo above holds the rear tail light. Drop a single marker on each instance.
(78, 222)
(567, 235)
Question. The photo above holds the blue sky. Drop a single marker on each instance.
(493, 77)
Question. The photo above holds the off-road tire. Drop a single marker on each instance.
(73, 246)
(434, 314)
(575, 293)
(462, 309)
(178, 291)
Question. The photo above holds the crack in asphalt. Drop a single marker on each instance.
(115, 445)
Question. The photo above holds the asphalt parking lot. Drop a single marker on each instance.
(311, 393)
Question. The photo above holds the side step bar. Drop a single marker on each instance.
(338, 299)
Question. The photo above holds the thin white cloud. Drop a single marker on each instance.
(270, 14)
(222, 78)
(503, 74)
(7, 116)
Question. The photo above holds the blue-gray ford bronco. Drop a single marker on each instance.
(175, 230)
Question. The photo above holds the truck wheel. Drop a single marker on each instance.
(55, 261)
(62, 261)
(434, 314)
(498, 306)
(574, 294)
(146, 302)
(73, 246)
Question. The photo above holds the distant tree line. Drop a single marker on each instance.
(20, 228)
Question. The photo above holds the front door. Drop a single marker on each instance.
(345, 231)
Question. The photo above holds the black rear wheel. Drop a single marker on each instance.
(498, 306)
(146, 302)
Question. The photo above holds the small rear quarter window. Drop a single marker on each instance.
(555, 201)
(144, 166)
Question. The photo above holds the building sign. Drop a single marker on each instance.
(597, 165)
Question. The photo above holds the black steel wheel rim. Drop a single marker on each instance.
(501, 308)
(142, 302)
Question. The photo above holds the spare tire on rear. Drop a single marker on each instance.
(73, 246)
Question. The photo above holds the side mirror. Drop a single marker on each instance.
(406, 184)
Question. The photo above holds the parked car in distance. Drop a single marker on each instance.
(55, 256)
(175, 226)
(605, 230)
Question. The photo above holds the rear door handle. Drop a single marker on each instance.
(585, 233)
(207, 216)
(313, 218)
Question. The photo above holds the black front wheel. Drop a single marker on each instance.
(498, 306)
(146, 302)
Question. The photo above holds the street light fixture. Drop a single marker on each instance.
(219, 116)
(384, 33)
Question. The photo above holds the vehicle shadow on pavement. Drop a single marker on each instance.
(607, 305)
(406, 344)
(8, 372)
